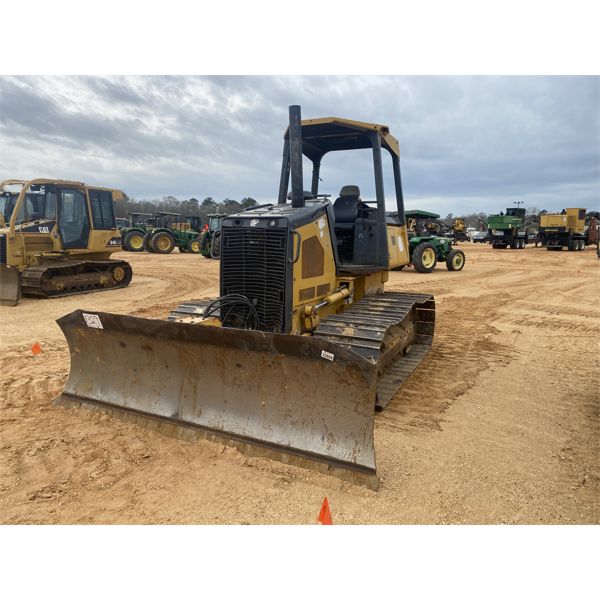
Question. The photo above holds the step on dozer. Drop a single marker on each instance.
(303, 344)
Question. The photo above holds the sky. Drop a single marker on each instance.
(468, 144)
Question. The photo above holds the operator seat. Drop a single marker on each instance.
(347, 209)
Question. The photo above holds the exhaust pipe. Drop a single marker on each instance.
(295, 137)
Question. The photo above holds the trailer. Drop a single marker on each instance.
(565, 230)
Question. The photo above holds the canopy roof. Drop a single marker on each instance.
(327, 134)
(421, 214)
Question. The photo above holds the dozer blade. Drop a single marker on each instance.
(10, 289)
(297, 399)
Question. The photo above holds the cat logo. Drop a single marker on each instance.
(44, 229)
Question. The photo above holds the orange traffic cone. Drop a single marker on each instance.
(325, 514)
(36, 348)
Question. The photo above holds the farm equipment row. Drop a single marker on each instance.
(162, 232)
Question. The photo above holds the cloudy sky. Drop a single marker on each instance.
(467, 143)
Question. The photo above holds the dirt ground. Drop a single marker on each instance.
(500, 424)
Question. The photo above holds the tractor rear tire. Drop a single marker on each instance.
(215, 245)
(455, 260)
(147, 242)
(133, 241)
(163, 242)
(424, 257)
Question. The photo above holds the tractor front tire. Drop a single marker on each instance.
(194, 247)
(163, 242)
(133, 241)
(424, 257)
(455, 260)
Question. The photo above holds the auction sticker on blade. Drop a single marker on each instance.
(324, 354)
(93, 321)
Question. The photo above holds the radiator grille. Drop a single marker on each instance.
(3, 258)
(253, 263)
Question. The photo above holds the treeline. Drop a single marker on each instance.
(186, 208)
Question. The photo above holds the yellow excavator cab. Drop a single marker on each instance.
(56, 238)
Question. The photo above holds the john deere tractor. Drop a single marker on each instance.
(210, 246)
(425, 248)
(134, 231)
(170, 231)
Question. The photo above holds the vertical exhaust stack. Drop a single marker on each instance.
(295, 137)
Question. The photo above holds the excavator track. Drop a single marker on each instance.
(393, 330)
(70, 277)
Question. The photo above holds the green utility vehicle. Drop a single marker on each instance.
(169, 232)
(510, 230)
(210, 245)
(425, 249)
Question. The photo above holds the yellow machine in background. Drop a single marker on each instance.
(56, 238)
(303, 343)
(564, 230)
(459, 230)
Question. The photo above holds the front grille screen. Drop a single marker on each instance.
(253, 264)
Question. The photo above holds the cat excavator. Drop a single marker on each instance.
(303, 344)
(56, 238)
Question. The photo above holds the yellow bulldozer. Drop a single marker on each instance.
(303, 344)
(56, 238)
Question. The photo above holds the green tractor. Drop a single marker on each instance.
(427, 249)
(133, 232)
(169, 232)
(210, 240)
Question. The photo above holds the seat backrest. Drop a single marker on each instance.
(345, 208)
